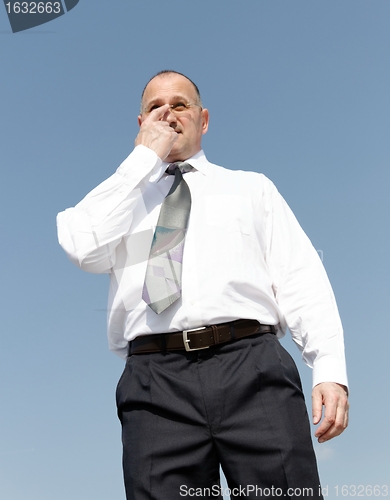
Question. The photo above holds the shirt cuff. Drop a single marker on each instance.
(145, 160)
(330, 369)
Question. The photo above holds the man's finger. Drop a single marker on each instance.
(157, 114)
(329, 415)
(316, 406)
(346, 417)
(338, 426)
(328, 420)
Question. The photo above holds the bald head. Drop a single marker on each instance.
(166, 73)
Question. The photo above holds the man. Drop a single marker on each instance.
(192, 398)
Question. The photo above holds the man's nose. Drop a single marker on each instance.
(171, 118)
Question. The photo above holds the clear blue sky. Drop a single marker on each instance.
(296, 89)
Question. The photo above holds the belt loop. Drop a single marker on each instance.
(232, 334)
(215, 334)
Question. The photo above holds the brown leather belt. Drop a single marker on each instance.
(198, 338)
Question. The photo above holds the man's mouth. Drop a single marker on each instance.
(177, 130)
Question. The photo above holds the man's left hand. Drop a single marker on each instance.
(335, 399)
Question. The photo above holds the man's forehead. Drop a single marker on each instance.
(172, 84)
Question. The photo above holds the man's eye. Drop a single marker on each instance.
(155, 106)
(179, 106)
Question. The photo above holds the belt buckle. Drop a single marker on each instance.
(187, 341)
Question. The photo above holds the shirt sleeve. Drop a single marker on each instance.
(90, 232)
(303, 293)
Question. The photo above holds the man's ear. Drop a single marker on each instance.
(139, 120)
(205, 118)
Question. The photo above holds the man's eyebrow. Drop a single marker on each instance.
(156, 100)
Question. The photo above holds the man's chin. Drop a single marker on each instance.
(176, 156)
(180, 154)
(173, 159)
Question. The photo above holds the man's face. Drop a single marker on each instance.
(189, 124)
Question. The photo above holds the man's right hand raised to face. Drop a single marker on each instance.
(156, 133)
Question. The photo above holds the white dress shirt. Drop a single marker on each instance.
(245, 256)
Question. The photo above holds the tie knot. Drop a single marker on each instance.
(183, 166)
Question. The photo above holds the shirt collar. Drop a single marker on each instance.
(198, 161)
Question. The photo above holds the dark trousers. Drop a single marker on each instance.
(239, 405)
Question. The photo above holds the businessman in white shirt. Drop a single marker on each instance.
(206, 381)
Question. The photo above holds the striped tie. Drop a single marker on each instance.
(162, 285)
